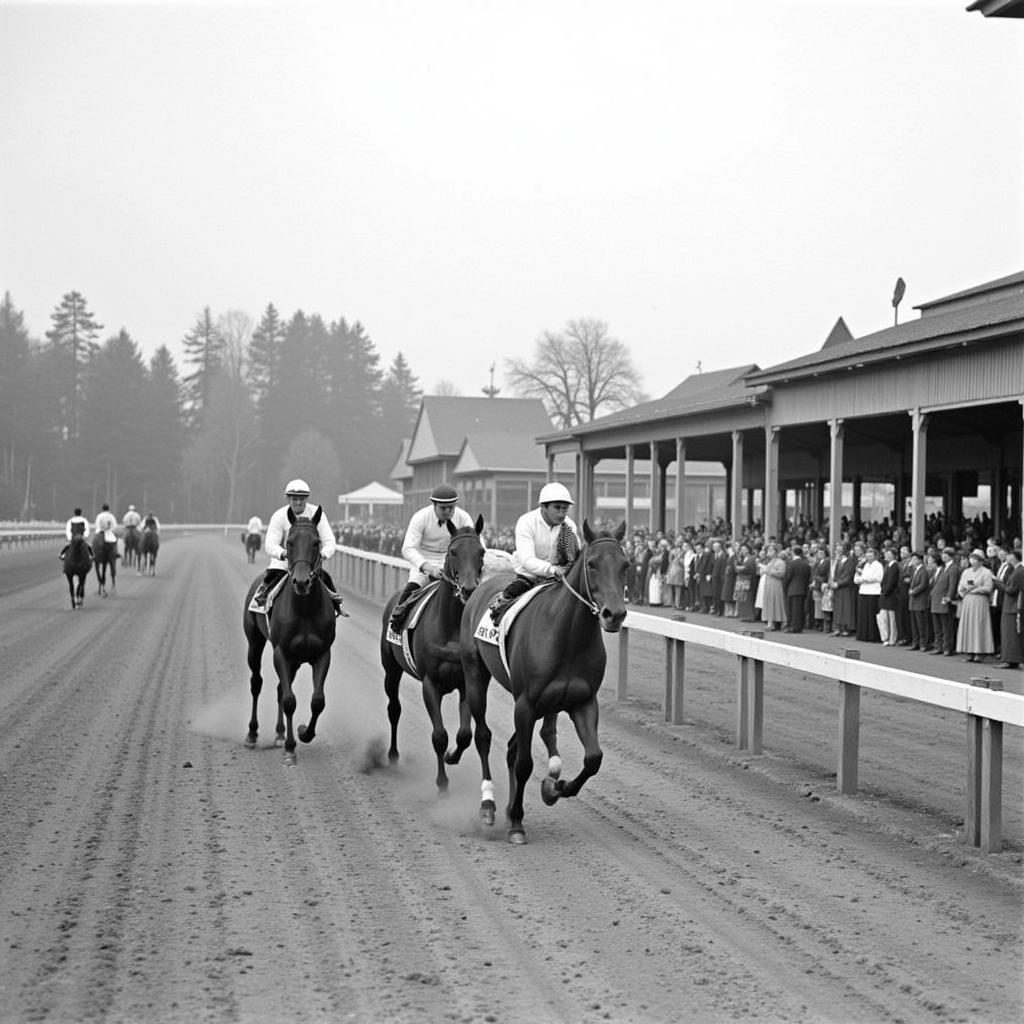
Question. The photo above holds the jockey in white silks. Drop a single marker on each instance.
(426, 544)
(547, 541)
(297, 493)
(255, 525)
(106, 524)
(77, 524)
(131, 517)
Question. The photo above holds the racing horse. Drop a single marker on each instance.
(104, 553)
(149, 545)
(300, 628)
(434, 648)
(252, 543)
(131, 546)
(76, 565)
(556, 661)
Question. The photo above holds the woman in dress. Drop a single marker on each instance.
(674, 577)
(868, 580)
(774, 612)
(746, 584)
(844, 593)
(974, 633)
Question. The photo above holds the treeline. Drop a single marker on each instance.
(83, 421)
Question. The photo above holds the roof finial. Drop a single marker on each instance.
(897, 295)
(491, 391)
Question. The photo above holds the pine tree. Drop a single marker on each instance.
(399, 404)
(162, 440)
(204, 349)
(73, 339)
(15, 405)
(263, 355)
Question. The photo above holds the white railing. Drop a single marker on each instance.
(987, 709)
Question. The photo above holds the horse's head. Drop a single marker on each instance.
(602, 568)
(302, 551)
(464, 563)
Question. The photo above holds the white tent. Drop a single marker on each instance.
(370, 495)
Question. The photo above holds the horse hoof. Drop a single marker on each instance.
(517, 836)
(279, 741)
(290, 759)
(487, 808)
(306, 735)
(250, 742)
(550, 791)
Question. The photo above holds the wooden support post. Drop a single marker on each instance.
(983, 816)
(623, 662)
(849, 732)
(668, 678)
(678, 672)
(755, 717)
(742, 706)
(750, 701)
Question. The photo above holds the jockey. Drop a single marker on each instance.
(106, 524)
(426, 544)
(131, 518)
(547, 542)
(77, 525)
(151, 522)
(255, 525)
(297, 493)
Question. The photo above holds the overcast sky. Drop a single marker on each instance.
(716, 181)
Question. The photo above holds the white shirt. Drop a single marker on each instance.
(77, 519)
(131, 518)
(426, 541)
(535, 544)
(255, 525)
(106, 524)
(871, 574)
(277, 534)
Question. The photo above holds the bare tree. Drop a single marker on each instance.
(235, 327)
(446, 388)
(578, 373)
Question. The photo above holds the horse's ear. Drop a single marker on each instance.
(317, 514)
(588, 533)
(621, 531)
(291, 515)
(479, 526)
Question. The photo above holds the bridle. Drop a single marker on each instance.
(447, 574)
(314, 565)
(588, 600)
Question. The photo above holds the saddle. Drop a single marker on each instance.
(271, 594)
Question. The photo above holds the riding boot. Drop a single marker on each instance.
(500, 603)
(402, 606)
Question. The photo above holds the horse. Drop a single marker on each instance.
(77, 563)
(104, 553)
(252, 543)
(149, 545)
(131, 546)
(300, 628)
(556, 660)
(434, 648)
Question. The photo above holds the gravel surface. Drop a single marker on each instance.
(153, 870)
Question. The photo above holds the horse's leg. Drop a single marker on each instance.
(438, 734)
(464, 736)
(520, 766)
(257, 642)
(549, 737)
(392, 686)
(476, 679)
(307, 733)
(585, 719)
(113, 574)
(71, 587)
(286, 704)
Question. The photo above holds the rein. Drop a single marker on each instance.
(452, 579)
(588, 601)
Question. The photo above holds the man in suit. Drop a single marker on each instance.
(1011, 587)
(705, 563)
(1000, 574)
(796, 584)
(718, 564)
(941, 598)
(920, 603)
(888, 598)
(903, 594)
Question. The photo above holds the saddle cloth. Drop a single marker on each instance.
(404, 640)
(497, 635)
(270, 597)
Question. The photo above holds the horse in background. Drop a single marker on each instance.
(149, 545)
(252, 542)
(434, 648)
(131, 546)
(76, 565)
(104, 553)
(300, 627)
(556, 662)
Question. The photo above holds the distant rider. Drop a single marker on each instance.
(131, 518)
(426, 544)
(151, 522)
(297, 493)
(77, 525)
(106, 524)
(255, 526)
(547, 542)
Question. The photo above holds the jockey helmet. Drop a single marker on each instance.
(444, 494)
(555, 493)
(297, 487)
(131, 508)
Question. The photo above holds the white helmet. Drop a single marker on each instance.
(297, 487)
(555, 492)
(131, 508)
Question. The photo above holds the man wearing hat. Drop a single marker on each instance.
(547, 542)
(297, 493)
(426, 544)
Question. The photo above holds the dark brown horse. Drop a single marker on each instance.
(434, 648)
(556, 660)
(300, 631)
(252, 543)
(104, 553)
(76, 565)
(149, 545)
(131, 546)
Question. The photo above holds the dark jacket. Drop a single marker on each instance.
(797, 580)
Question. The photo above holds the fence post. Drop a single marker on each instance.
(983, 820)
(623, 662)
(849, 733)
(750, 701)
(678, 677)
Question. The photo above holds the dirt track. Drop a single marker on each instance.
(153, 870)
